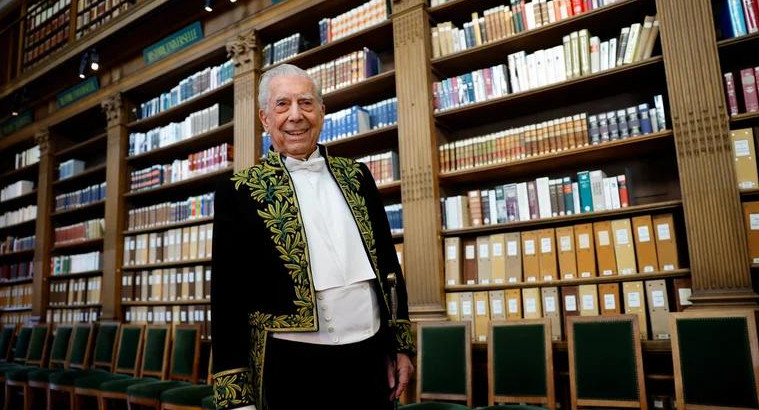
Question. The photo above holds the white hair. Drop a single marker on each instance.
(284, 69)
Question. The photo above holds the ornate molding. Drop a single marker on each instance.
(242, 50)
(112, 108)
(42, 138)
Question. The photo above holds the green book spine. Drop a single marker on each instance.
(586, 194)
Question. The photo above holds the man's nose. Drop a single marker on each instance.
(294, 113)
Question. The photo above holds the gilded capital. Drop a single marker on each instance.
(242, 49)
(112, 108)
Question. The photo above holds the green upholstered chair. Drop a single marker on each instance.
(520, 362)
(19, 377)
(716, 359)
(77, 362)
(511, 407)
(126, 363)
(185, 357)
(605, 363)
(433, 405)
(444, 365)
(20, 349)
(208, 403)
(6, 342)
(154, 366)
(189, 397)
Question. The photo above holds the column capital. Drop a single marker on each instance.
(242, 50)
(42, 138)
(112, 108)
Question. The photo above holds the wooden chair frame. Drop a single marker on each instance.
(467, 397)
(550, 399)
(62, 363)
(24, 385)
(209, 382)
(69, 390)
(748, 314)
(642, 402)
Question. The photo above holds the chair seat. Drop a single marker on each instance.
(208, 403)
(154, 390)
(121, 385)
(95, 380)
(187, 395)
(514, 407)
(68, 377)
(23, 374)
(5, 369)
(42, 375)
(433, 405)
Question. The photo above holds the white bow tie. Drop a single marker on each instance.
(313, 164)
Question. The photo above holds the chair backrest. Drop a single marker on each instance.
(37, 353)
(6, 341)
(444, 365)
(105, 345)
(81, 346)
(156, 353)
(60, 347)
(185, 353)
(716, 359)
(130, 347)
(520, 361)
(605, 363)
(21, 346)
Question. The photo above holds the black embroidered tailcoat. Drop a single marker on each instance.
(262, 281)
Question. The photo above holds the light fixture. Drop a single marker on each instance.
(233, 1)
(208, 6)
(94, 59)
(83, 66)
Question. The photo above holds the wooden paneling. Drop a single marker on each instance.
(244, 52)
(44, 232)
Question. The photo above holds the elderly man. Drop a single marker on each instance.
(302, 251)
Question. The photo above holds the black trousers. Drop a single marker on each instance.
(340, 377)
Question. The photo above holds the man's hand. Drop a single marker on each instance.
(399, 373)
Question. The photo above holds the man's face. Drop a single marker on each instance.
(293, 115)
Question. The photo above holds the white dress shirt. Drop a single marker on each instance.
(348, 310)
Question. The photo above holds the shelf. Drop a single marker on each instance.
(78, 245)
(181, 111)
(745, 117)
(584, 217)
(389, 188)
(167, 264)
(165, 227)
(89, 176)
(16, 309)
(368, 91)
(492, 53)
(376, 140)
(88, 210)
(216, 136)
(17, 281)
(555, 95)
(18, 174)
(83, 146)
(398, 237)
(168, 303)
(21, 226)
(181, 187)
(17, 254)
(19, 200)
(728, 43)
(78, 275)
(377, 37)
(286, 19)
(82, 306)
(572, 282)
(637, 146)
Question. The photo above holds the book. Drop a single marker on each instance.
(744, 154)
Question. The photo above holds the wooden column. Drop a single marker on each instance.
(43, 240)
(115, 209)
(243, 50)
(713, 215)
(422, 246)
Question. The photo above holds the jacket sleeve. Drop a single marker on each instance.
(387, 260)
(230, 332)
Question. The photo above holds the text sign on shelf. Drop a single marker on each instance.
(78, 91)
(16, 123)
(173, 43)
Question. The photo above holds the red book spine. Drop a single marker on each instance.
(732, 99)
(749, 90)
(577, 7)
(750, 12)
(624, 198)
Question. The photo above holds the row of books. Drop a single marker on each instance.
(17, 296)
(203, 81)
(42, 11)
(167, 285)
(51, 37)
(79, 315)
(395, 217)
(744, 155)
(70, 168)
(575, 6)
(180, 244)
(13, 271)
(80, 197)
(27, 157)
(18, 216)
(751, 220)
(170, 315)
(283, 49)
(651, 300)
(83, 262)
(199, 163)
(366, 15)
(749, 101)
(643, 244)
(98, 12)
(40, 22)
(16, 190)
(346, 70)
(12, 244)
(75, 292)
(384, 167)
(357, 119)
(536, 199)
(736, 18)
(552, 136)
(580, 55)
(15, 318)
(196, 123)
(193, 207)
(92, 229)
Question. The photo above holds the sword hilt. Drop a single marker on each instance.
(392, 280)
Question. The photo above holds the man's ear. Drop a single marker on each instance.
(262, 117)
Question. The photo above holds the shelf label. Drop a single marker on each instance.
(14, 124)
(173, 43)
(78, 91)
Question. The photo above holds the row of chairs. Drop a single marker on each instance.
(154, 366)
(715, 358)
